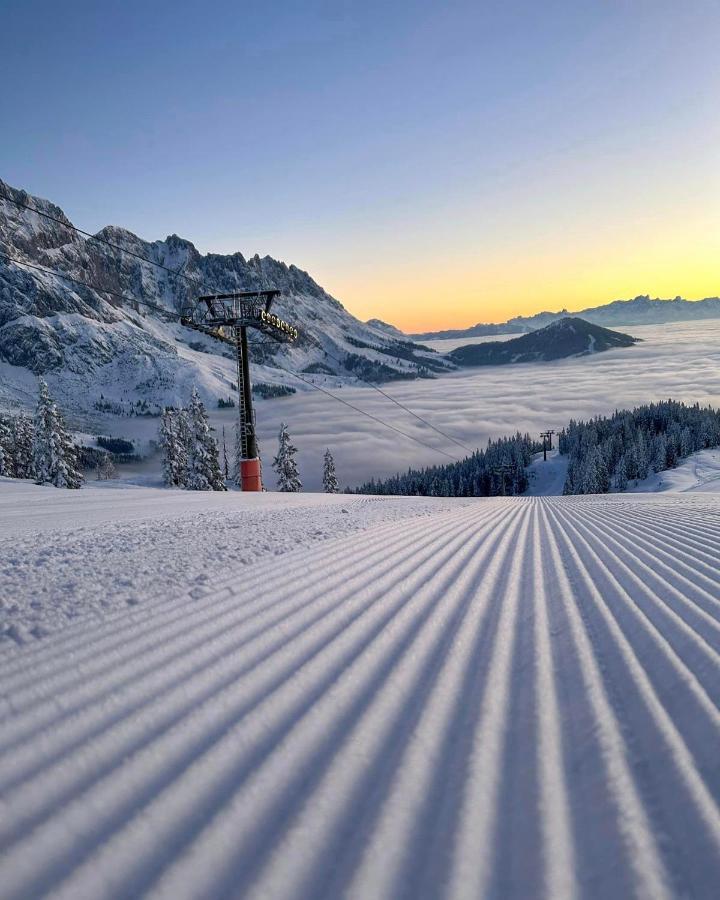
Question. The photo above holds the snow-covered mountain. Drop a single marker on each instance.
(569, 336)
(642, 310)
(95, 348)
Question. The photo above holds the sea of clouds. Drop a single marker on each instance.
(680, 360)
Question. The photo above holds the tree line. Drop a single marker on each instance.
(608, 452)
(498, 470)
(605, 453)
(40, 447)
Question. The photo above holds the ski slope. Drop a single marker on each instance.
(700, 473)
(510, 697)
(546, 477)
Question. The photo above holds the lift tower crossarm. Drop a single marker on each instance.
(240, 309)
(547, 442)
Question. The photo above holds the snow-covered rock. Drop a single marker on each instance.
(87, 342)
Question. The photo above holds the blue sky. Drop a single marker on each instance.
(492, 158)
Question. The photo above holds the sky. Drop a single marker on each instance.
(430, 164)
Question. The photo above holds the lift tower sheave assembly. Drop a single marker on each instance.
(547, 442)
(218, 314)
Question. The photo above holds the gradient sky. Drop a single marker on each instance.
(433, 164)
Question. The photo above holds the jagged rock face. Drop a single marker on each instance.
(49, 324)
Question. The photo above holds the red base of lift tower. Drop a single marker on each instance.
(251, 475)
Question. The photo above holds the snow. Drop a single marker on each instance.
(508, 697)
(699, 473)
(69, 555)
(547, 477)
(679, 361)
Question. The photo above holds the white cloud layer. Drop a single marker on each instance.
(680, 360)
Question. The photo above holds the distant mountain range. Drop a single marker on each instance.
(642, 310)
(569, 336)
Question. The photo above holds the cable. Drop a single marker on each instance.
(88, 284)
(181, 274)
(100, 240)
(402, 405)
(369, 415)
(289, 371)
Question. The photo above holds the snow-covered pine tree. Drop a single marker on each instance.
(285, 464)
(330, 482)
(225, 463)
(105, 469)
(203, 463)
(7, 466)
(620, 477)
(22, 447)
(54, 457)
(659, 453)
(173, 441)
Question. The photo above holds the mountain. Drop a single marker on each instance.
(479, 330)
(385, 326)
(94, 348)
(569, 336)
(642, 310)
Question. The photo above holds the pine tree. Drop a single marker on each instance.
(330, 482)
(285, 464)
(225, 463)
(620, 478)
(54, 457)
(105, 469)
(7, 466)
(659, 456)
(203, 464)
(173, 441)
(22, 447)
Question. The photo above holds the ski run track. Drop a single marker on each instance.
(510, 697)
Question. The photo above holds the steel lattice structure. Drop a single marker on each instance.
(218, 314)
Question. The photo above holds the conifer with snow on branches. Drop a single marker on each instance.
(173, 441)
(105, 469)
(285, 464)
(330, 482)
(225, 463)
(7, 466)
(203, 463)
(54, 457)
(22, 447)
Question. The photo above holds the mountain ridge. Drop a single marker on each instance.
(640, 310)
(90, 344)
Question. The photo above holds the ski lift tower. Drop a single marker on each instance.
(227, 317)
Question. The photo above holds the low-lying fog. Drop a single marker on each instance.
(681, 361)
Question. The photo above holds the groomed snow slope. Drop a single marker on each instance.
(699, 473)
(500, 698)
